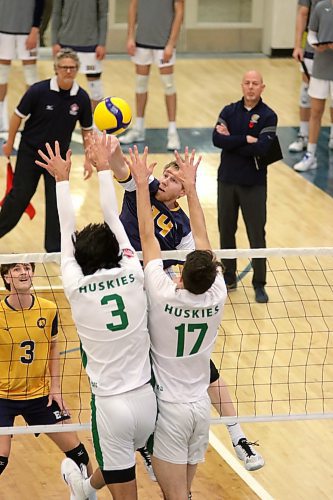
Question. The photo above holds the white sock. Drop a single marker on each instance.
(312, 148)
(140, 124)
(87, 488)
(235, 432)
(304, 129)
(172, 128)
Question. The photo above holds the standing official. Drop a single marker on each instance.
(245, 131)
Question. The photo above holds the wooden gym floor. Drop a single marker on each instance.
(299, 215)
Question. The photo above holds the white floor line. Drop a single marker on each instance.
(237, 466)
(77, 137)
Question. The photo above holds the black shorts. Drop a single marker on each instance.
(34, 411)
(214, 374)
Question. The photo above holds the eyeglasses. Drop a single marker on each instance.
(68, 68)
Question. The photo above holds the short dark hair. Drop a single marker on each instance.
(199, 271)
(5, 268)
(172, 164)
(96, 247)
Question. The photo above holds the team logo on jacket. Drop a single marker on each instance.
(41, 322)
(253, 120)
(73, 110)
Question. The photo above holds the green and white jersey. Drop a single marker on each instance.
(183, 328)
(109, 307)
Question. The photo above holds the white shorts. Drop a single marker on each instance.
(320, 89)
(182, 431)
(309, 65)
(121, 424)
(146, 57)
(89, 64)
(13, 47)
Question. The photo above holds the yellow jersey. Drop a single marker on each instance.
(25, 342)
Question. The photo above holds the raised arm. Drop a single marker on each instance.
(141, 173)
(101, 148)
(187, 174)
(60, 169)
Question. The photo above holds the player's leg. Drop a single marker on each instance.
(227, 214)
(168, 81)
(175, 489)
(7, 417)
(92, 68)
(319, 90)
(304, 111)
(52, 225)
(221, 400)
(142, 59)
(253, 202)
(120, 424)
(29, 60)
(7, 54)
(25, 183)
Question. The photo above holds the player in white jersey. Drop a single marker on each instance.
(183, 319)
(103, 281)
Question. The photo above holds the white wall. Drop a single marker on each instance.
(279, 25)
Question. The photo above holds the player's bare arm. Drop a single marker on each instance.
(54, 367)
(187, 174)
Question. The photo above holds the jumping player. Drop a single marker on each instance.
(103, 281)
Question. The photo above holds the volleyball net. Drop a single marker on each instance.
(276, 358)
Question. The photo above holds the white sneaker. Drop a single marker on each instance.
(330, 143)
(244, 451)
(173, 141)
(308, 162)
(133, 135)
(298, 145)
(73, 477)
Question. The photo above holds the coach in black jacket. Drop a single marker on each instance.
(245, 131)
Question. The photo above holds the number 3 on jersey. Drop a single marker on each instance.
(201, 328)
(121, 317)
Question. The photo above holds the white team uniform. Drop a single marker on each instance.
(89, 64)
(13, 47)
(183, 328)
(110, 313)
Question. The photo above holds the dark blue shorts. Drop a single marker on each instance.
(34, 412)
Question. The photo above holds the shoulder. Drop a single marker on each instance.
(45, 304)
(268, 111)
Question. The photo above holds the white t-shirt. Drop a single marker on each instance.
(109, 307)
(183, 328)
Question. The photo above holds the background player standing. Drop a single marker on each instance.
(19, 38)
(82, 26)
(158, 24)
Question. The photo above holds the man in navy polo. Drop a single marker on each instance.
(52, 108)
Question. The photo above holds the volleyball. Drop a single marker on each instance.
(113, 115)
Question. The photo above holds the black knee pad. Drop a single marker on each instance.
(3, 464)
(119, 476)
(214, 374)
(79, 455)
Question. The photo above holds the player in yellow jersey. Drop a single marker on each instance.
(29, 368)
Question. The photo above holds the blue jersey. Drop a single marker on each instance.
(172, 226)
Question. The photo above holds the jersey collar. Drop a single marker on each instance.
(54, 86)
(13, 308)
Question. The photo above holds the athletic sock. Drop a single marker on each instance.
(312, 148)
(304, 129)
(87, 488)
(172, 129)
(235, 432)
(140, 124)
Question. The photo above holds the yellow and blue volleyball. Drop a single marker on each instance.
(113, 115)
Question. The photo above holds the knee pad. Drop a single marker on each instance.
(79, 455)
(4, 73)
(141, 84)
(30, 73)
(96, 89)
(169, 84)
(304, 98)
(3, 464)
